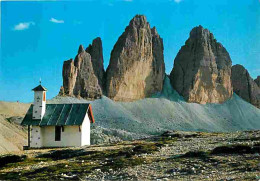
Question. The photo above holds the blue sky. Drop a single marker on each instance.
(36, 37)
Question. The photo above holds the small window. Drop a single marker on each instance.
(44, 96)
(57, 133)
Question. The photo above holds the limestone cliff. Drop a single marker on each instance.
(244, 85)
(96, 52)
(81, 77)
(257, 81)
(136, 69)
(202, 69)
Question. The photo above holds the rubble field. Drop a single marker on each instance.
(174, 155)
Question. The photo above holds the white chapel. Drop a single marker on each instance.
(57, 125)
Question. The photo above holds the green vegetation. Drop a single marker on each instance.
(165, 140)
(195, 154)
(236, 149)
(64, 154)
(110, 160)
(80, 162)
(5, 159)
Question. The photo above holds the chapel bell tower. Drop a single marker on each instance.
(39, 104)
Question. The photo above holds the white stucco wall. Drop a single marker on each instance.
(39, 105)
(70, 137)
(36, 137)
(85, 131)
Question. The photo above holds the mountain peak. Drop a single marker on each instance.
(199, 31)
(244, 85)
(81, 49)
(154, 31)
(202, 69)
(136, 58)
(138, 21)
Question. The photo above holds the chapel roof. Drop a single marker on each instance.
(39, 88)
(60, 115)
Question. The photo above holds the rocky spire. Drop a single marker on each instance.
(244, 85)
(96, 51)
(81, 49)
(257, 81)
(202, 69)
(69, 74)
(79, 78)
(136, 68)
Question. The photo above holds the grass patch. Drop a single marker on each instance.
(122, 162)
(130, 156)
(27, 162)
(145, 148)
(6, 159)
(236, 149)
(83, 163)
(164, 140)
(257, 144)
(195, 154)
(53, 172)
(247, 139)
(175, 134)
(64, 154)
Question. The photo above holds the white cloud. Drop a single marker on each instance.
(23, 26)
(177, 1)
(56, 20)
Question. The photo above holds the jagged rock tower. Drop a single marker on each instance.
(96, 52)
(84, 76)
(257, 81)
(136, 69)
(202, 69)
(244, 85)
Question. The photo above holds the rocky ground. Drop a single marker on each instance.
(12, 136)
(171, 156)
